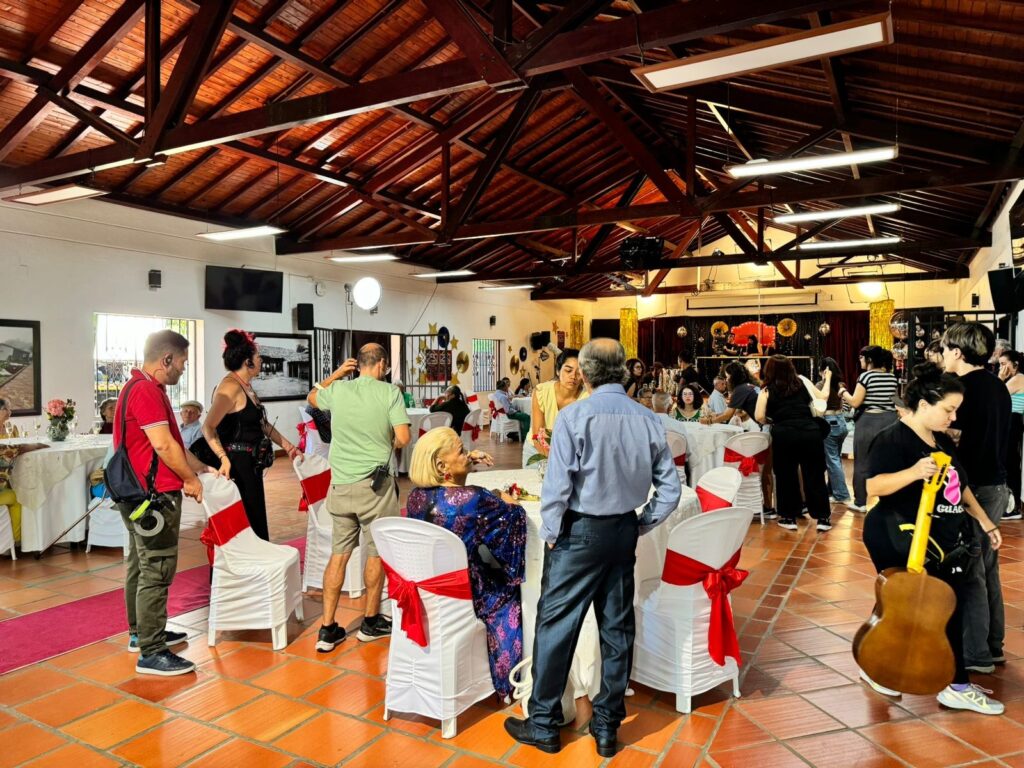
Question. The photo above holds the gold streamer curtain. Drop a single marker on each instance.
(881, 314)
(628, 330)
(575, 331)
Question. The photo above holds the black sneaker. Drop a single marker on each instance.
(165, 664)
(329, 637)
(374, 628)
(788, 523)
(825, 524)
(769, 513)
(171, 639)
(1015, 515)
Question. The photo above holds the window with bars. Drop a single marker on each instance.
(120, 340)
(486, 356)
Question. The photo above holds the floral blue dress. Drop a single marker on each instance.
(478, 517)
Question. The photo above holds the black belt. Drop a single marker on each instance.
(573, 514)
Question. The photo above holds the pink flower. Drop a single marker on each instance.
(55, 408)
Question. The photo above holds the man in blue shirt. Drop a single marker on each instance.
(606, 453)
(503, 402)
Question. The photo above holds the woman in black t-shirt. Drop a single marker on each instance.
(899, 462)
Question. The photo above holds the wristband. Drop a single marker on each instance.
(993, 528)
(318, 385)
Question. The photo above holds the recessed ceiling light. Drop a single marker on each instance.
(523, 287)
(834, 39)
(762, 167)
(824, 245)
(59, 194)
(836, 213)
(364, 259)
(450, 273)
(241, 234)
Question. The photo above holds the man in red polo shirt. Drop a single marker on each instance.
(150, 430)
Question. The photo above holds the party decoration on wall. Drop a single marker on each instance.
(936, 335)
(560, 339)
(510, 349)
(437, 362)
(455, 379)
(554, 327)
(899, 350)
(522, 354)
(700, 339)
(880, 333)
(544, 356)
(898, 325)
(462, 362)
(628, 330)
(786, 327)
(422, 378)
(455, 343)
(575, 331)
(444, 336)
(824, 329)
(919, 344)
(513, 365)
(807, 337)
(432, 328)
(719, 328)
(681, 331)
(764, 333)
(423, 345)
(919, 331)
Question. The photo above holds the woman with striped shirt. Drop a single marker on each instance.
(873, 395)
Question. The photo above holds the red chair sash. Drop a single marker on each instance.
(315, 488)
(422, 431)
(301, 427)
(680, 460)
(406, 593)
(474, 428)
(223, 527)
(709, 502)
(749, 465)
(718, 583)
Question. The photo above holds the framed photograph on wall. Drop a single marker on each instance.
(19, 366)
(287, 368)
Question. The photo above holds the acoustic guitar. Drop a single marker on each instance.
(903, 644)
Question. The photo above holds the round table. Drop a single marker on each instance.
(523, 404)
(416, 417)
(705, 446)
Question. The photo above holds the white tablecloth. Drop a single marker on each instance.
(416, 416)
(705, 447)
(585, 673)
(52, 486)
(524, 404)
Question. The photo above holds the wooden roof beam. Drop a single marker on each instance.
(570, 16)
(477, 47)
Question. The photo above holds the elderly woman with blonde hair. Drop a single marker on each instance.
(491, 525)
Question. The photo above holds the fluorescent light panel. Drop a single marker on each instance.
(366, 258)
(241, 234)
(836, 213)
(523, 287)
(835, 39)
(450, 273)
(59, 194)
(813, 162)
(824, 245)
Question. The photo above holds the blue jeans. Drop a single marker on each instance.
(834, 457)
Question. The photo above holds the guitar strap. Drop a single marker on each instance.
(933, 545)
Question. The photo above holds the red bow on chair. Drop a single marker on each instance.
(749, 465)
(718, 583)
(301, 427)
(709, 502)
(223, 527)
(406, 594)
(472, 428)
(422, 431)
(680, 460)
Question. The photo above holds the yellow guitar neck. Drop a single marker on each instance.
(923, 524)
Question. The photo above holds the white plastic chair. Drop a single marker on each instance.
(671, 648)
(472, 399)
(7, 532)
(501, 424)
(256, 584)
(106, 527)
(723, 484)
(451, 673)
(432, 421)
(750, 494)
(471, 424)
(319, 534)
(677, 445)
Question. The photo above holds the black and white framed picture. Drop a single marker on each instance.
(19, 366)
(287, 366)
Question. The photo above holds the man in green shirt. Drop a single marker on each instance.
(369, 423)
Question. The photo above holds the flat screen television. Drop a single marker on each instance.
(246, 290)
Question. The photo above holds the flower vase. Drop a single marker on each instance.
(542, 468)
(57, 431)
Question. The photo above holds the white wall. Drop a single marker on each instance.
(61, 264)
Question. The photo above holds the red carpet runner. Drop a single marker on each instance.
(44, 634)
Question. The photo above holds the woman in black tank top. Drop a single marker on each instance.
(237, 423)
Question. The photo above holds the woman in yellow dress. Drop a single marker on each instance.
(551, 397)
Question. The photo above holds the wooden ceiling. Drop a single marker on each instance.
(510, 137)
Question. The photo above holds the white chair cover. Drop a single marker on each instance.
(256, 584)
(192, 513)
(451, 673)
(722, 482)
(7, 532)
(677, 445)
(319, 533)
(750, 494)
(314, 445)
(671, 649)
(472, 422)
(472, 399)
(106, 527)
(501, 424)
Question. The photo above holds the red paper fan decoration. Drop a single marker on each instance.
(765, 333)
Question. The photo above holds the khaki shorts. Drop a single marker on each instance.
(353, 506)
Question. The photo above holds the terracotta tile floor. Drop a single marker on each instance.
(249, 706)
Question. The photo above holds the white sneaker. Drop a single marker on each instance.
(851, 506)
(879, 688)
(973, 698)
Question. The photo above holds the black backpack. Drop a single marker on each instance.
(122, 483)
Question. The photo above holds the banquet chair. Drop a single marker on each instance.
(450, 673)
(431, 421)
(471, 428)
(472, 399)
(106, 527)
(314, 445)
(7, 532)
(501, 424)
(672, 650)
(718, 487)
(748, 453)
(677, 444)
(255, 584)
(314, 475)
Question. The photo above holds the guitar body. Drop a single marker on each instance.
(903, 646)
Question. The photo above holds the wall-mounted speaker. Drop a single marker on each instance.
(540, 340)
(155, 279)
(494, 320)
(304, 316)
